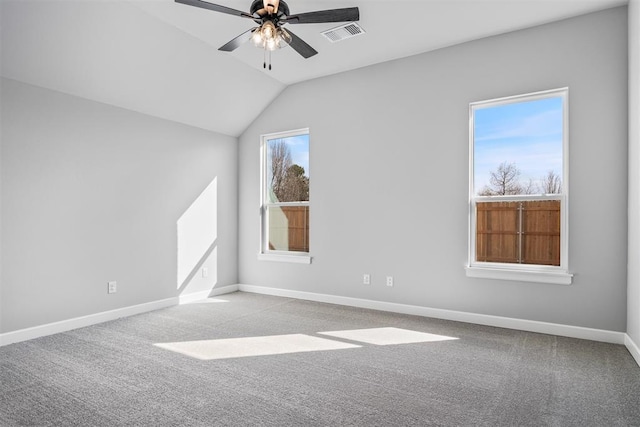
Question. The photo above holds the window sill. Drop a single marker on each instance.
(297, 259)
(553, 277)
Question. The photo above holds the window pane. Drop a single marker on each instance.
(288, 169)
(541, 232)
(285, 209)
(497, 232)
(288, 228)
(526, 232)
(517, 191)
(518, 148)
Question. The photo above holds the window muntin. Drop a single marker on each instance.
(285, 193)
(519, 182)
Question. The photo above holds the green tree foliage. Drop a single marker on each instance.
(296, 184)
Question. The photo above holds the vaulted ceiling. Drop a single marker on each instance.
(161, 58)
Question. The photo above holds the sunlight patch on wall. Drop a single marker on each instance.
(197, 232)
(387, 336)
(253, 346)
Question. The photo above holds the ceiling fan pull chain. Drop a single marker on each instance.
(269, 60)
(264, 57)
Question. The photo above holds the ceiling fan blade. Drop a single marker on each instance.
(332, 15)
(238, 41)
(215, 8)
(301, 46)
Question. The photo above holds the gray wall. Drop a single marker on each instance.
(389, 174)
(633, 296)
(92, 193)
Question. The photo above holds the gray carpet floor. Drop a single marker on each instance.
(112, 374)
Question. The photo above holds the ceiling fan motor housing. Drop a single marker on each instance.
(257, 5)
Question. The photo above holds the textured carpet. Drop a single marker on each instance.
(115, 374)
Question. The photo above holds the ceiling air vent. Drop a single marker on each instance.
(343, 32)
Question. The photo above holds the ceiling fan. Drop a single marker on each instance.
(271, 15)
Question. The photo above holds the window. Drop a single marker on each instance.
(285, 196)
(518, 188)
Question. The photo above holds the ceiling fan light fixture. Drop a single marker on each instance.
(268, 37)
(268, 30)
(284, 38)
(256, 38)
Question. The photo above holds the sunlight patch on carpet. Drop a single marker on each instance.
(253, 346)
(387, 336)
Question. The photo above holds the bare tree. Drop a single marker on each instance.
(529, 187)
(280, 163)
(503, 181)
(551, 183)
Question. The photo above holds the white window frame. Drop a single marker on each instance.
(522, 272)
(266, 254)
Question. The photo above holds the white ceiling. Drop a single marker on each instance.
(161, 58)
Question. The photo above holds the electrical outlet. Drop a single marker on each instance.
(205, 272)
(389, 281)
(366, 279)
(112, 287)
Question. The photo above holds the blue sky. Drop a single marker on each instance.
(528, 134)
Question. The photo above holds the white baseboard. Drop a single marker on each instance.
(224, 290)
(633, 348)
(459, 316)
(197, 296)
(80, 322)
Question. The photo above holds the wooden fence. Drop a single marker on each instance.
(290, 228)
(525, 232)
